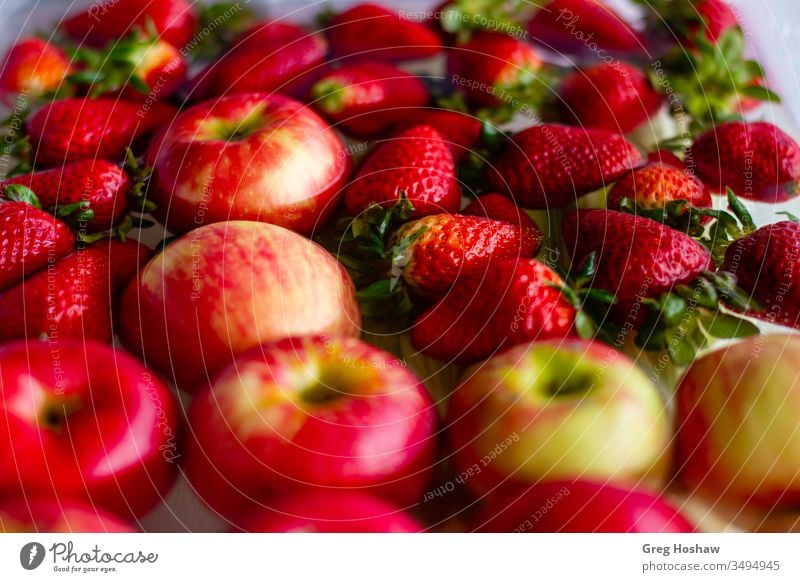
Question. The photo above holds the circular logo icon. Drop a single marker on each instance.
(31, 555)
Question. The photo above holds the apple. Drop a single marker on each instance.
(739, 424)
(316, 413)
(226, 287)
(557, 410)
(83, 421)
(582, 507)
(329, 512)
(43, 515)
(247, 157)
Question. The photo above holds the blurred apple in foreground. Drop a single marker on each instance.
(557, 410)
(20, 515)
(81, 420)
(582, 507)
(224, 288)
(739, 423)
(329, 512)
(317, 413)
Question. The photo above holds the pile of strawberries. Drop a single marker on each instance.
(587, 219)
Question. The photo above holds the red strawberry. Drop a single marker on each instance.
(655, 185)
(549, 166)
(418, 163)
(136, 68)
(34, 67)
(110, 20)
(70, 299)
(756, 160)
(510, 304)
(492, 67)
(86, 129)
(272, 33)
(372, 32)
(364, 100)
(263, 63)
(610, 96)
(127, 258)
(767, 265)
(448, 246)
(666, 157)
(635, 257)
(717, 16)
(102, 186)
(462, 131)
(583, 26)
(499, 208)
(32, 239)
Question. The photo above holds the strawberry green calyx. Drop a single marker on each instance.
(20, 193)
(711, 80)
(224, 21)
(686, 320)
(329, 95)
(465, 17)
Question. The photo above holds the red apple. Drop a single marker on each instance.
(582, 507)
(739, 423)
(320, 413)
(41, 515)
(83, 421)
(557, 410)
(224, 288)
(329, 512)
(247, 157)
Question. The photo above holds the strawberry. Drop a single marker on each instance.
(499, 208)
(417, 163)
(138, 67)
(462, 131)
(267, 62)
(655, 186)
(126, 259)
(549, 166)
(662, 156)
(717, 18)
(109, 20)
(636, 257)
(79, 129)
(515, 301)
(494, 69)
(766, 263)
(756, 160)
(70, 299)
(583, 26)
(272, 33)
(440, 248)
(33, 66)
(92, 185)
(372, 32)
(614, 97)
(31, 237)
(364, 99)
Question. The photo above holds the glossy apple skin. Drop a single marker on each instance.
(739, 423)
(581, 507)
(289, 169)
(329, 512)
(268, 425)
(224, 288)
(43, 515)
(86, 422)
(505, 425)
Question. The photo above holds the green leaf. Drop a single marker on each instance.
(20, 193)
(761, 93)
(585, 326)
(726, 326)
